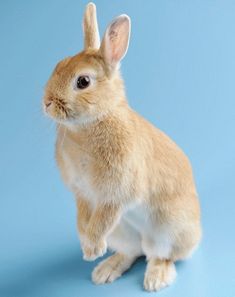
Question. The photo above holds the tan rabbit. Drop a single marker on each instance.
(134, 187)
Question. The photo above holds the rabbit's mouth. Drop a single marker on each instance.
(56, 108)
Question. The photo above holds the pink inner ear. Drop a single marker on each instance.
(118, 39)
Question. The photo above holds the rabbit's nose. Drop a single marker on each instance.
(47, 104)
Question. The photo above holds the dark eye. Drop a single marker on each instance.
(83, 82)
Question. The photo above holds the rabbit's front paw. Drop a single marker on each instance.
(92, 251)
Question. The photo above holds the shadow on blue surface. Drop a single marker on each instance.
(47, 274)
(68, 267)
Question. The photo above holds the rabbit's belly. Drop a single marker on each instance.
(155, 239)
(139, 218)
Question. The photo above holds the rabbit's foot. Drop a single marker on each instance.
(94, 251)
(111, 268)
(159, 274)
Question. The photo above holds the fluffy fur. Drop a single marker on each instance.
(134, 187)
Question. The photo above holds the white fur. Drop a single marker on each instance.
(79, 182)
(137, 233)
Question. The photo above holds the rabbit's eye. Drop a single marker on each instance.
(83, 82)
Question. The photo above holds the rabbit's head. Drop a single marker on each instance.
(88, 85)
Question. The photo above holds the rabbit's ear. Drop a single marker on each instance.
(116, 39)
(90, 27)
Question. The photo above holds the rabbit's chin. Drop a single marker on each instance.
(81, 120)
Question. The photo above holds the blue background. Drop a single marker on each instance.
(180, 75)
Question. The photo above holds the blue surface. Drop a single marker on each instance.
(180, 74)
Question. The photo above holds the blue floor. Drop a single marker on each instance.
(180, 74)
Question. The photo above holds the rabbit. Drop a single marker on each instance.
(133, 186)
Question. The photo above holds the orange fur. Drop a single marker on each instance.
(115, 161)
(84, 214)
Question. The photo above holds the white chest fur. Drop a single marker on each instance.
(77, 174)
